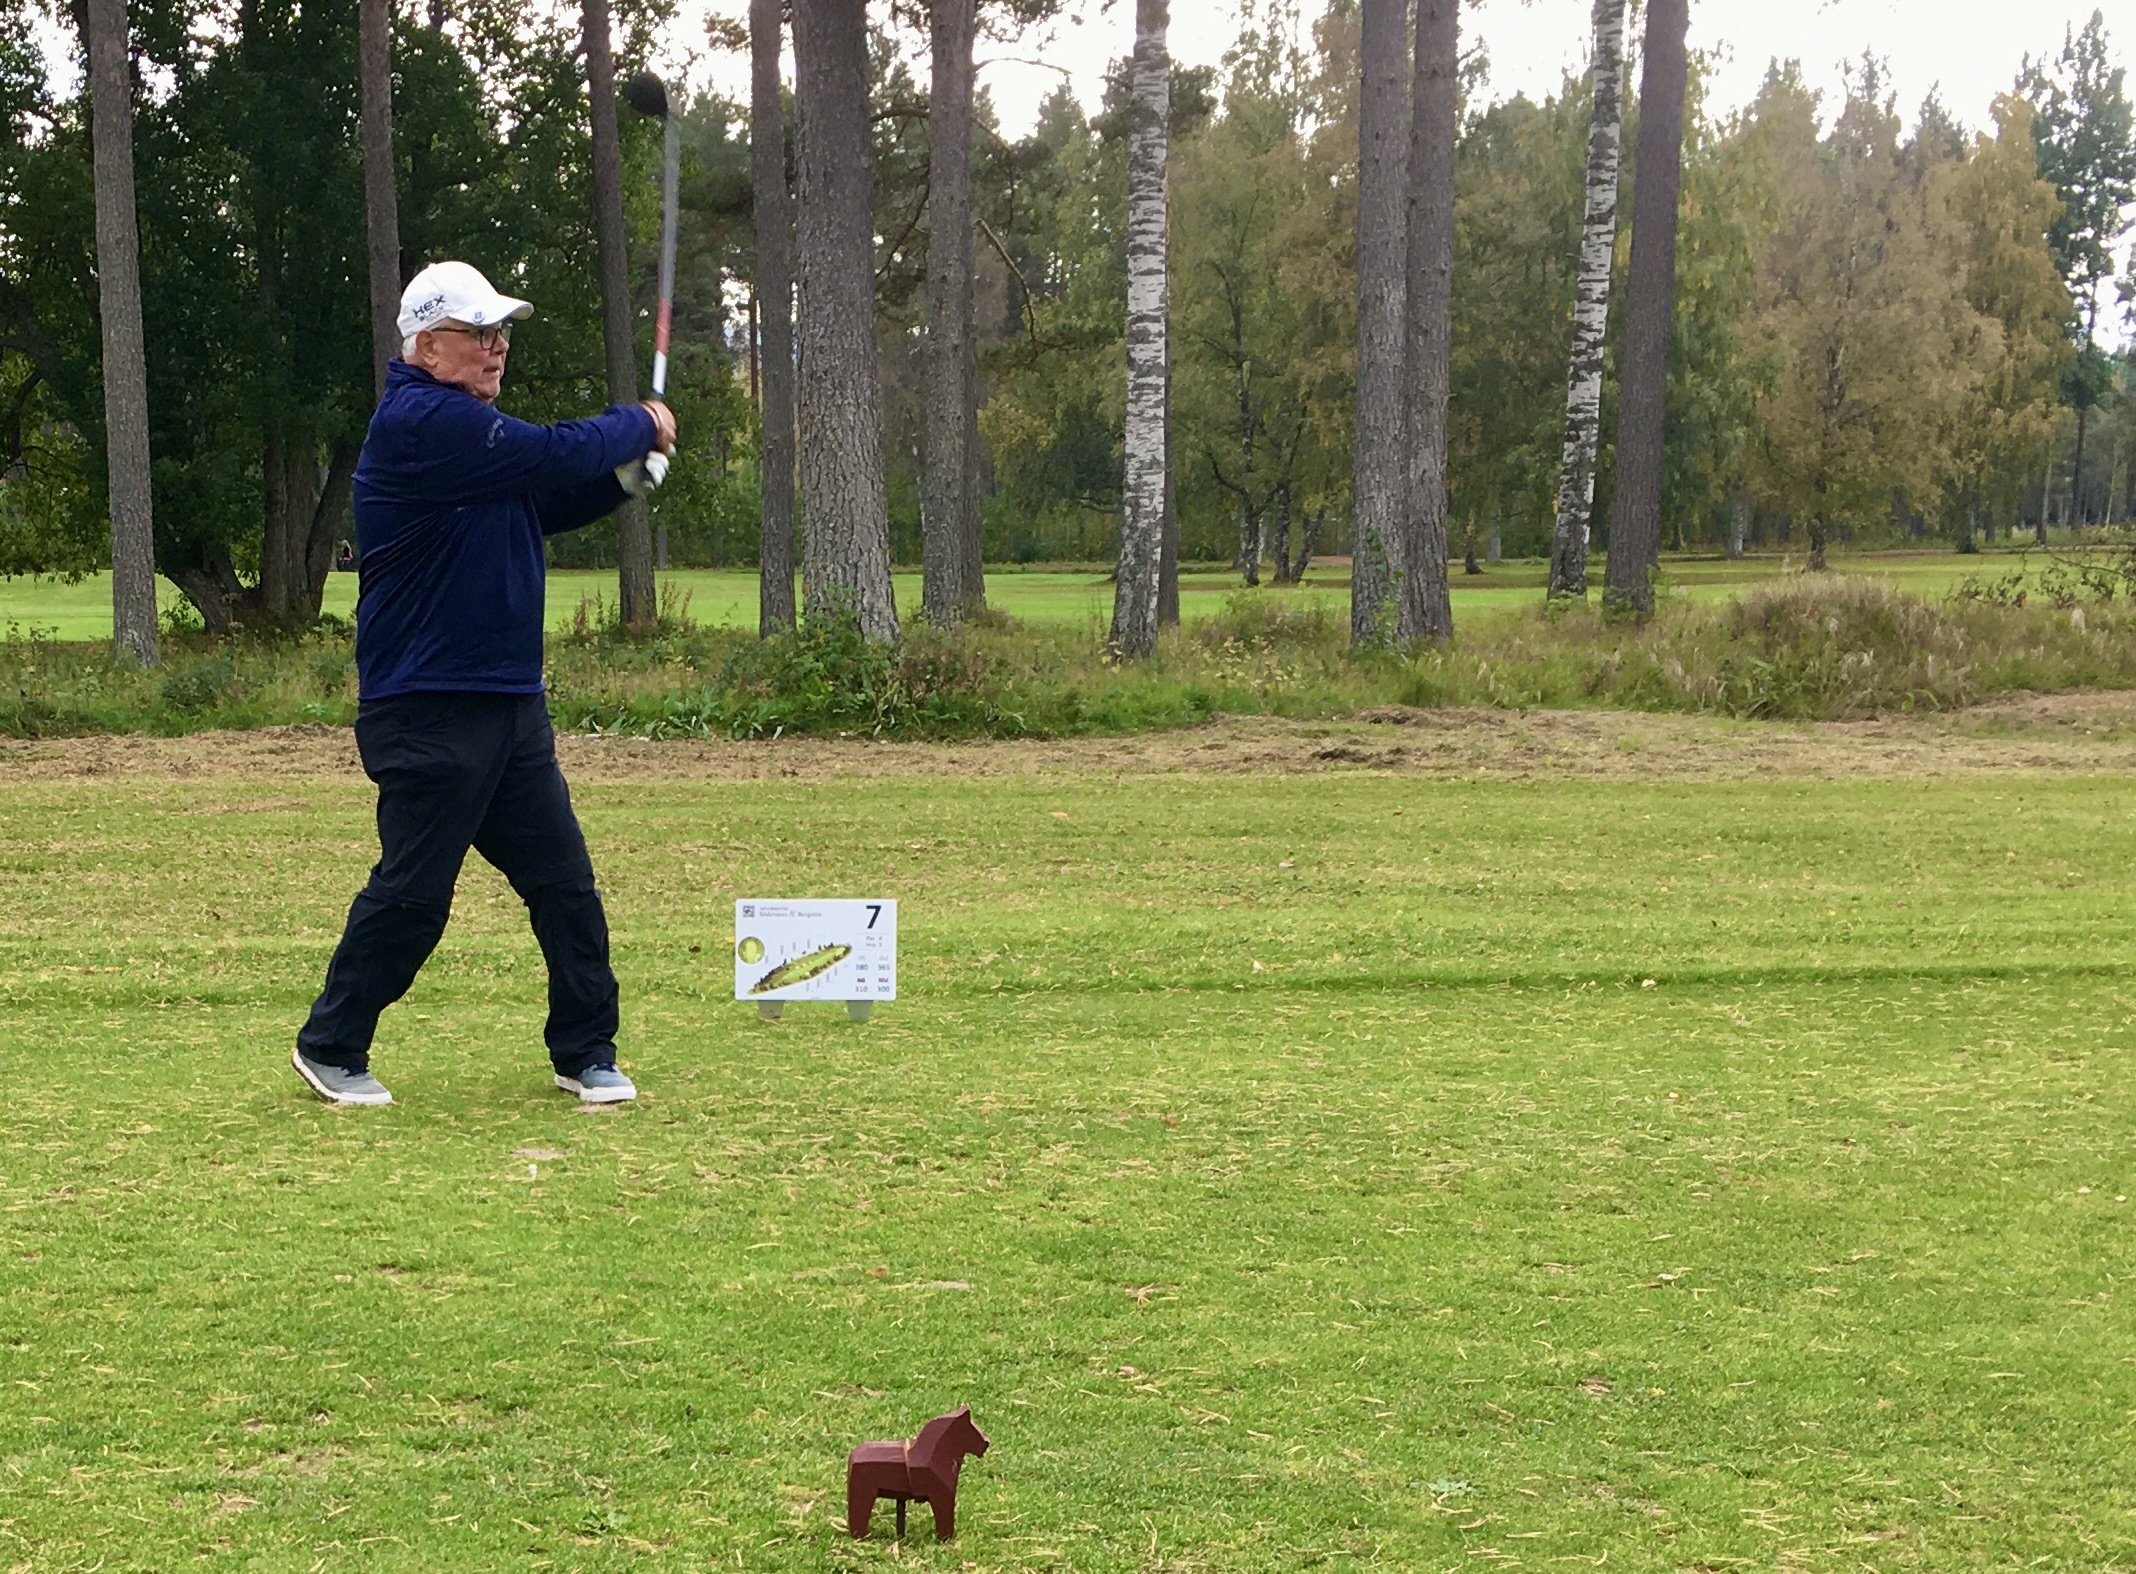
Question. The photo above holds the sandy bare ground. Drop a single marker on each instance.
(2067, 732)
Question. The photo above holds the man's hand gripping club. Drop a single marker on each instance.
(640, 476)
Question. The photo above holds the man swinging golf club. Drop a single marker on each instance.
(452, 500)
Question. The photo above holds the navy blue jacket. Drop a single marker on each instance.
(452, 499)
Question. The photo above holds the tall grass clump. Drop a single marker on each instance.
(1810, 648)
(1805, 648)
(55, 688)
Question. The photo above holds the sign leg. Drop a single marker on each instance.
(770, 1010)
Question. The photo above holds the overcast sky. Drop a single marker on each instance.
(1971, 49)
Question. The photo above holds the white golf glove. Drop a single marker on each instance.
(640, 476)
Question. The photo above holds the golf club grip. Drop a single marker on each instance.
(670, 176)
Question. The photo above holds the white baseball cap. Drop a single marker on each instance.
(455, 292)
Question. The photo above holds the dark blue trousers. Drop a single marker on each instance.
(456, 771)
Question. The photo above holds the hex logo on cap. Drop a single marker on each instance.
(455, 292)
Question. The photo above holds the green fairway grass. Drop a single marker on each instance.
(1335, 1171)
(728, 597)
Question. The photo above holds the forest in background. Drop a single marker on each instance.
(1921, 255)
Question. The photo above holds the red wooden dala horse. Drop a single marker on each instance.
(925, 1468)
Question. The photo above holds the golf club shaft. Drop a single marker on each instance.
(669, 176)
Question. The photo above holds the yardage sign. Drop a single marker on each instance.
(807, 950)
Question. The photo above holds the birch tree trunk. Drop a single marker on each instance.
(1134, 625)
(1738, 525)
(1590, 312)
(951, 586)
(845, 532)
(1379, 463)
(381, 204)
(125, 368)
(1635, 514)
(634, 542)
(773, 301)
(1423, 609)
(1168, 553)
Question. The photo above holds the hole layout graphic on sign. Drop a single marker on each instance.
(801, 949)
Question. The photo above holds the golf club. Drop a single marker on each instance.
(648, 96)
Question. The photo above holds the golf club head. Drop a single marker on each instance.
(647, 95)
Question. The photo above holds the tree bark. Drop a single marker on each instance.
(1423, 608)
(1635, 513)
(1590, 312)
(845, 533)
(1248, 562)
(952, 585)
(381, 204)
(1738, 525)
(1134, 625)
(1379, 464)
(1168, 553)
(125, 368)
(2076, 472)
(1278, 533)
(1308, 544)
(773, 304)
(634, 542)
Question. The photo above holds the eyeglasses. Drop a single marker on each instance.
(485, 338)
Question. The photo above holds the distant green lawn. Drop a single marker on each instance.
(1293, 1172)
(82, 611)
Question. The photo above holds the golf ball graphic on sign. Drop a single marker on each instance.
(815, 950)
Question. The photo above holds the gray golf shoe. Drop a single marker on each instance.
(598, 1085)
(337, 1084)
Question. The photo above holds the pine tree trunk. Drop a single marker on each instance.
(1423, 610)
(2076, 472)
(1817, 543)
(1380, 469)
(381, 204)
(2046, 493)
(950, 587)
(634, 541)
(1134, 625)
(845, 533)
(1635, 513)
(1590, 312)
(773, 301)
(125, 368)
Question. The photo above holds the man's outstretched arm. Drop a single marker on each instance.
(575, 507)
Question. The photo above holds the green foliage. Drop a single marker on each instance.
(2087, 150)
(1875, 346)
(253, 266)
(50, 520)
